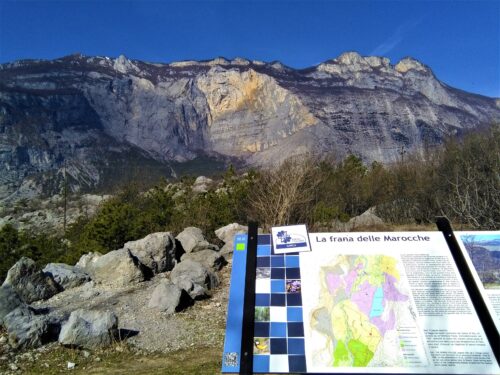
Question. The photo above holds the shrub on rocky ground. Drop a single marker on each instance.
(459, 180)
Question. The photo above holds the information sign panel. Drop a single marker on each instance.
(482, 253)
(356, 303)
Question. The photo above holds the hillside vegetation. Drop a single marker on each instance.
(460, 180)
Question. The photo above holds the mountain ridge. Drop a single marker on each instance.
(238, 61)
(77, 108)
(242, 61)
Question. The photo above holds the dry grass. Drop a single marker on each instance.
(121, 360)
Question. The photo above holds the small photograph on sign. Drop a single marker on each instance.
(261, 345)
(293, 286)
(290, 239)
(484, 252)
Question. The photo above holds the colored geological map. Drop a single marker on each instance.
(360, 308)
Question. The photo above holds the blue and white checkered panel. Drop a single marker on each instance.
(279, 329)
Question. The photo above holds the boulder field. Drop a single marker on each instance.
(134, 293)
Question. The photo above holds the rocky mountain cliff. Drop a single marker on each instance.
(98, 119)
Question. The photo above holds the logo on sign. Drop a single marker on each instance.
(288, 240)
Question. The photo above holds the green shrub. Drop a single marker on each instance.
(41, 248)
(460, 180)
(131, 214)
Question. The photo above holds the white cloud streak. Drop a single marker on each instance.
(390, 43)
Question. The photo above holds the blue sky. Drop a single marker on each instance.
(486, 237)
(459, 40)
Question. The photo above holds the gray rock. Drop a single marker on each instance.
(117, 268)
(169, 298)
(227, 234)
(89, 329)
(202, 184)
(192, 240)
(211, 259)
(9, 301)
(205, 246)
(88, 291)
(366, 219)
(194, 278)
(157, 251)
(203, 180)
(30, 283)
(65, 275)
(87, 261)
(195, 291)
(25, 329)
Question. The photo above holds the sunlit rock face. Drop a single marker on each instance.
(249, 112)
(91, 116)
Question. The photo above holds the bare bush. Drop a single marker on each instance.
(284, 194)
(471, 171)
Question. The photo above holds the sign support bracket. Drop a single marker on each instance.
(246, 364)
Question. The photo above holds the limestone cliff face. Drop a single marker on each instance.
(99, 116)
(36, 130)
(167, 119)
(249, 112)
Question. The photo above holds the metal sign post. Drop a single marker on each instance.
(485, 318)
(246, 365)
